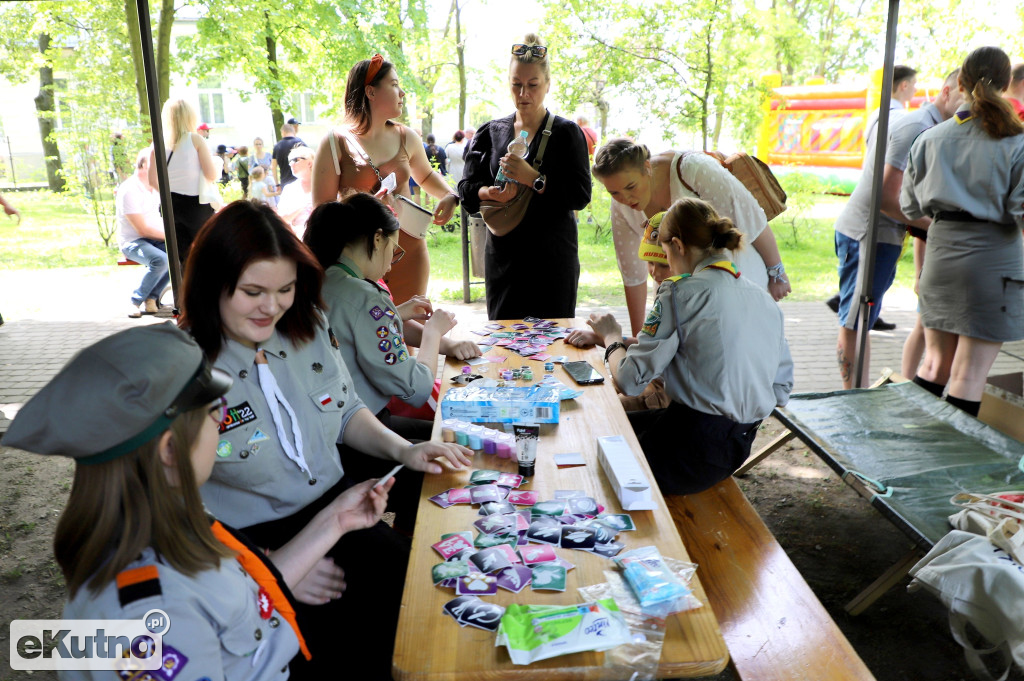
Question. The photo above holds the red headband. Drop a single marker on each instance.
(373, 69)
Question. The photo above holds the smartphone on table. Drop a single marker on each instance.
(583, 373)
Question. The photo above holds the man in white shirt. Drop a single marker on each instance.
(140, 234)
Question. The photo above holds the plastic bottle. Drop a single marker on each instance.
(517, 146)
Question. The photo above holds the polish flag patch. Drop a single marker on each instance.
(325, 399)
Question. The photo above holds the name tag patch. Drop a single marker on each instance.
(236, 416)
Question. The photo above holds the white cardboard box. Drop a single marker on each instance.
(625, 473)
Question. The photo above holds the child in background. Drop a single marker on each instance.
(260, 189)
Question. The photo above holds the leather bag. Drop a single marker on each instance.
(502, 217)
(753, 174)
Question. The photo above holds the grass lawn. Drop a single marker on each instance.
(60, 231)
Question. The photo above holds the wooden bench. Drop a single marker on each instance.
(776, 629)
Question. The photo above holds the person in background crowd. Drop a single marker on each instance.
(589, 133)
(436, 155)
(643, 185)
(295, 124)
(361, 154)
(533, 268)
(251, 299)
(139, 412)
(11, 212)
(204, 130)
(967, 176)
(454, 150)
(719, 341)
(240, 165)
(279, 168)
(140, 235)
(188, 157)
(260, 156)
(260, 189)
(296, 200)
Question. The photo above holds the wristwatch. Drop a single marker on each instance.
(539, 183)
(775, 273)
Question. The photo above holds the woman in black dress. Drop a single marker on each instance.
(532, 268)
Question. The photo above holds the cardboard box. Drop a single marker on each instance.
(1002, 405)
(532, 404)
(625, 473)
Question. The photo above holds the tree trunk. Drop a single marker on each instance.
(44, 110)
(163, 50)
(273, 100)
(716, 133)
(131, 10)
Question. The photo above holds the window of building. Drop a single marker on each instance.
(303, 108)
(211, 101)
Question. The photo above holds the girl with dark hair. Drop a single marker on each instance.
(140, 414)
(359, 155)
(532, 268)
(718, 341)
(967, 174)
(355, 241)
(252, 293)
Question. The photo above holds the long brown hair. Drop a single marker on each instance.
(985, 75)
(698, 226)
(357, 104)
(120, 507)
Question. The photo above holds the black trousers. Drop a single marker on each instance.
(404, 497)
(354, 636)
(189, 218)
(688, 450)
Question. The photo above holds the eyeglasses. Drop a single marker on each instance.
(538, 51)
(397, 254)
(219, 411)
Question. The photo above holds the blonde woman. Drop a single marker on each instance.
(188, 161)
(370, 146)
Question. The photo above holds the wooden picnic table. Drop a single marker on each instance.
(432, 646)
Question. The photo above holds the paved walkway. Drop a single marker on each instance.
(51, 314)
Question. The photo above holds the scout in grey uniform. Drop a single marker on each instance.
(967, 175)
(116, 408)
(251, 299)
(717, 339)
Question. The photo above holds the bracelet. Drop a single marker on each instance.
(458, 199)
(776, 272)
(612, 348)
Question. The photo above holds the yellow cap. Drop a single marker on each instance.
(650, 249)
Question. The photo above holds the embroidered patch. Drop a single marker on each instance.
(224, 449)
(389, 358)
(384, 345)
(402, 356)
(653, 320)
(376, 312)
(171, 665)
(236, 416)
(138, 583)
(258, 436)
(324, 399)
(318, 368)
(397, 342)
(382, 332)
(390, 313)
(393, 326)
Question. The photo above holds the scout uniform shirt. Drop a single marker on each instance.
(222, 623)
(253, 479)
(718, 341)
(368, 326)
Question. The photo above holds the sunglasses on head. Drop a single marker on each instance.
(538, 51)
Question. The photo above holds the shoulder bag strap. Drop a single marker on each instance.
(545, 136)
(334, 151)
(679, 173)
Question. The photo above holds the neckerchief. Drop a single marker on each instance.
(274, 396)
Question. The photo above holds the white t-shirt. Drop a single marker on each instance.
(134, 198)
(454, 151)
(294, 198)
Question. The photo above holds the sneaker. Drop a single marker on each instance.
(882, 325)
(150, 306)
(833, 303)
(135, 311)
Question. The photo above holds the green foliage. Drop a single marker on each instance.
(803, 192)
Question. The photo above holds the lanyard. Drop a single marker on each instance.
(276, 399)
(345, 267)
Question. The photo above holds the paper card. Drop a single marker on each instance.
(560, 359)
(526, 352)
(445, 571)
(484, 493)
(442, 500)
(548, 577)
(452, 545)
(458, 606)
(620, 522)
(495, 524)
(463, 556)
(577, 537)
(473, 361)
(523, 541)
(483, 477)
(486, 341)
(483, 615)
(492, 507)
(510, 553)
(540, 357)
(553, 508)
(515, 578)
(494, 326)
(608, 550)
(533, 554)
(520, 327)
(533, 320)
(564, 563)
(545, 533)
(481, 333)
(581, 506)
(459, 495)
(544, 324)
(602, 533)
(522, 524)
(570, 459)
(571, 519)
(495, 359)
(487, 541)
(569, 493)
(476, 584)
(512, 480)
(448, 583)
(503, 334)
(465, 534)
(490, 560)
(522, 497)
